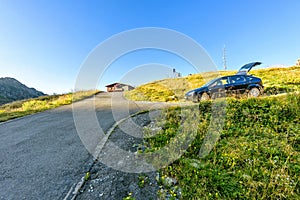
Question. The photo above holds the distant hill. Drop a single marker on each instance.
(275, 80)
(12, 90)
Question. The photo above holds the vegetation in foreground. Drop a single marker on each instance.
(257, 155)
(26, 107)
(275, 80)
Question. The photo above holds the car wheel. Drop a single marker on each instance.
(214, 96)
(204, 97)
(253, 92)
(195, 98)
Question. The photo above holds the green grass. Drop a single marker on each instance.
(26, 107)
(275, 80)
(256, 157)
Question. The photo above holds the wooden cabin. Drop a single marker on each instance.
(118, 87)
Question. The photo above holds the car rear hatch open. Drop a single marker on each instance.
(246, 68)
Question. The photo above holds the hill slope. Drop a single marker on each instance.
(274, 79)
(12, 90)
(256, 154)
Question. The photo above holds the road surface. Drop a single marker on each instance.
(42, 156)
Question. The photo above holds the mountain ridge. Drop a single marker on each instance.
(12, 90)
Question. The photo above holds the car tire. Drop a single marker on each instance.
(253, 92)
(204, 97)
(195, 99)
(214, 96)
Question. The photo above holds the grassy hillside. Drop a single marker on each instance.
(30, 106)
(257, 155)
(274, 79)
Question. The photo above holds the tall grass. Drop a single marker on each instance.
(30, 106)
(256, 157)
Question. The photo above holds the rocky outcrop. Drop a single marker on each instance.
(12, 90)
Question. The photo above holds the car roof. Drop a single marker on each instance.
(228, 76)
(245, 75)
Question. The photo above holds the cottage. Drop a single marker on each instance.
(118, 87)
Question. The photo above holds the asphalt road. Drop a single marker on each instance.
(42, 155)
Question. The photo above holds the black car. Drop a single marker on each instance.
(238, 84)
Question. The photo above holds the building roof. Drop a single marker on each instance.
(113, 84)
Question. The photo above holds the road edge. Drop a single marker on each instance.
(74, 191)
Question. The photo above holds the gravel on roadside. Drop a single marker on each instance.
(108, 183)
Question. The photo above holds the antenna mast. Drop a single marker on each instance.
(224, 58)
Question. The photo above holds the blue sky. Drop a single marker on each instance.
(44, 43)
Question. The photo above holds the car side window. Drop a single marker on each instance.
(220, 82)
(224, 81)
(238, 79)
(214, 83)
(249, 78)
